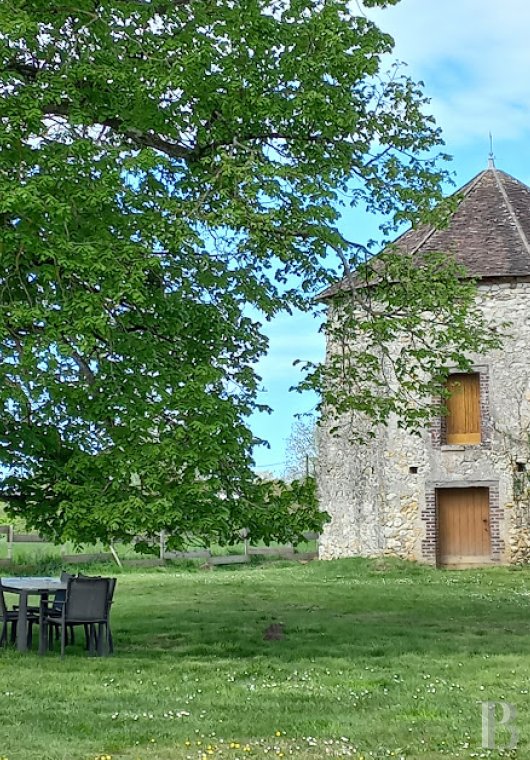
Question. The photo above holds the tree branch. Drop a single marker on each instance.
(151, 140)
(142, 139)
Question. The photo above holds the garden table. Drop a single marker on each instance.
(25, 587)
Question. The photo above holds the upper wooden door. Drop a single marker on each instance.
(463, 526)
(463, 409)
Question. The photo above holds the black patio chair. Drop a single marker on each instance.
(86, 604)
(110, 599)
(55, 604)
(59, 599)
(112, 588)
(11, 616)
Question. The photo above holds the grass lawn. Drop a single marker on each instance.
(379, 659)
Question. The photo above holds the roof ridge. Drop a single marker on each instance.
(511, 210)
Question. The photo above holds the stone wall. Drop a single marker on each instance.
(381, 495)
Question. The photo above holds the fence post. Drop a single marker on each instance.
(244, 535)
(115, 555)
(10, 537)
(162, 545)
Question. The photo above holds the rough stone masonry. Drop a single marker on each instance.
(381, 495)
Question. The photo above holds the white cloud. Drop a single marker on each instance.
(474, 57)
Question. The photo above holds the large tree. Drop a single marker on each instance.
(164, 166)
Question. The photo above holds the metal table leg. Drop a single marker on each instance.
(22, 623)
(43, 627)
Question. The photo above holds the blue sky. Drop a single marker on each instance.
(474, 58)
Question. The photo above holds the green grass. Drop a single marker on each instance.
(25, 553)
(378, 658)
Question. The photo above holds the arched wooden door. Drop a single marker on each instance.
(463, 526)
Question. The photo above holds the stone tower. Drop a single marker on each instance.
(460, 493)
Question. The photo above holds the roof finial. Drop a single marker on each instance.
(491, 157)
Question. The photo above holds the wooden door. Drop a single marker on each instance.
(463, 526)
(463, 409)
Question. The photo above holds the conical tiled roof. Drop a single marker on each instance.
(489, 233)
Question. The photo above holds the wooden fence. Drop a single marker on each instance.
(287, 551)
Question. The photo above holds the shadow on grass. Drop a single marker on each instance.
(349, 609)
(395, 655)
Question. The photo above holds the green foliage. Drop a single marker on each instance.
(5, 519)
(266, 517)
(163, 167)
(395, 333)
